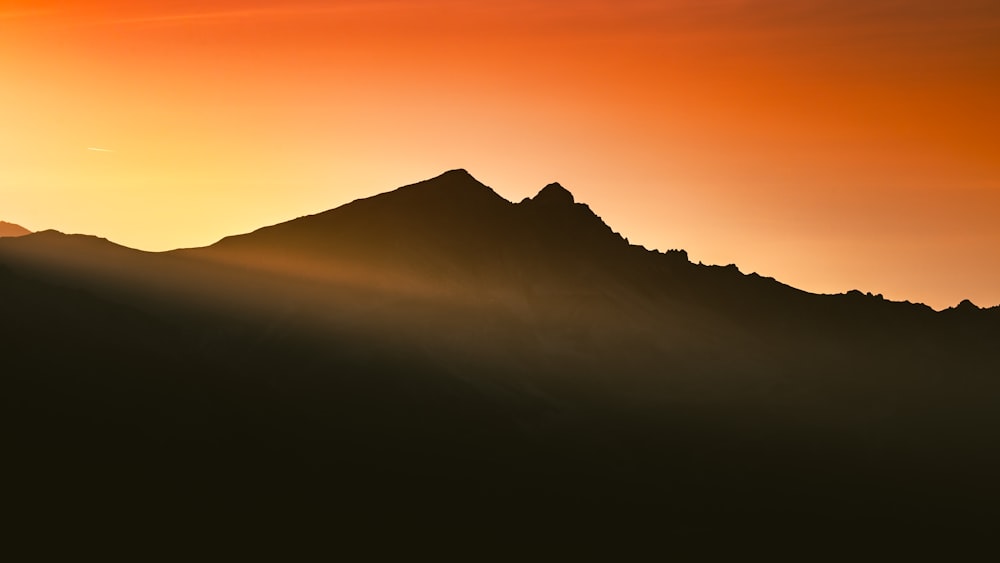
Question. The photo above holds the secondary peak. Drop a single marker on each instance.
(554, 194)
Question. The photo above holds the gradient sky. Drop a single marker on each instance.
(830, 144)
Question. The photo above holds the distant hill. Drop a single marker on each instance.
(12, 230)
(439, 358)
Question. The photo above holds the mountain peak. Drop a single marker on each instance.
(451, 182)
(12, 230)
(457, 173)
(455, 189)
(966, 305)
(554, 194)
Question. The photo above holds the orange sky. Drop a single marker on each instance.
(830, 144)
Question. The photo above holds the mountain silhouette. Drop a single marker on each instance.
(439, 356)
(12, 230)
(448, 230)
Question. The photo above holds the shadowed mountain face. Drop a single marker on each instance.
(12, 230)
(440, 354)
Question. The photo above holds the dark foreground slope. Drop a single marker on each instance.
(438, 356)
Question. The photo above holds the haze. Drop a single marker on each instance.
(832, 145)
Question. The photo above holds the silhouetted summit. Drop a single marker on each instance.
(553, 194)
(12, 230)
(452, 188)
(967, 305)
(965, 309)
(552, 215)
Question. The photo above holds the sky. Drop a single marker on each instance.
(833, 145)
